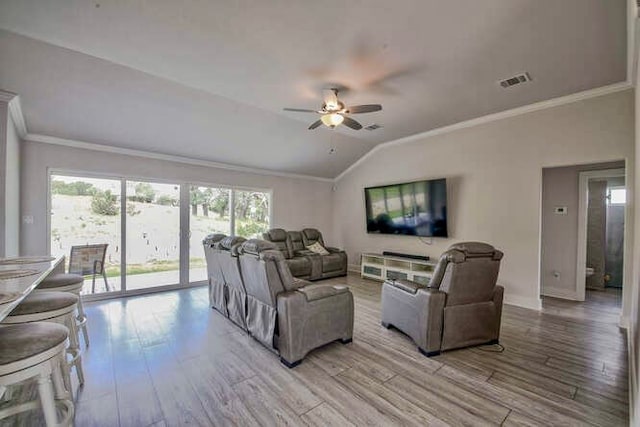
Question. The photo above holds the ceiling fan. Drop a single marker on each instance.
(334, 112)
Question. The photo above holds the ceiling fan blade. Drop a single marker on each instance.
(315, 124)
(359, 109)
(300, 110)
(349, 122)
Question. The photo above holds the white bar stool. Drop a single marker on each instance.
(36, 351)
(63, 282)
(56, 307)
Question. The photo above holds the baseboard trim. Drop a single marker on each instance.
(570, 294)
(353, 268)
(634, 399)
(534, 303)
(624, 322)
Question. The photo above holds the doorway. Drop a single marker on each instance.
(583, 237)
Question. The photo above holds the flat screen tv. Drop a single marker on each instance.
(414, 208)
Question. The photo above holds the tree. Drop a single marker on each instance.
(76, 188)
(104, 203)
(166, 200)
(144, 192)
(196, 197)
(220, 202)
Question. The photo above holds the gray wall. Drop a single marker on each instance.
(494, 172)
(297, 203)
(560, 232)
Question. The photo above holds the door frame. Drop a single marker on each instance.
(583, 207)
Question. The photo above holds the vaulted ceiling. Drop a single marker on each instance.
(209, 79)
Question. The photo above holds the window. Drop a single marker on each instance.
(617, 195)
(159, 226)
(251, 213)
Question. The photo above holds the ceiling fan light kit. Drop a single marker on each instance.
(332, 120)
(334, 113)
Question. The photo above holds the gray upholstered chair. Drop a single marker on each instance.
(335, 263)
(217, 292)
(235, 294)
(461, 306)
(287, 314)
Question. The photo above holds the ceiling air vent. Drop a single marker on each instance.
(376, 126)
(515, 80)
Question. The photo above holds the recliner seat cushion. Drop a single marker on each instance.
(59, 280)
(43, 302)
(19, 342)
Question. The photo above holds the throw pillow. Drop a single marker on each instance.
(318, 248)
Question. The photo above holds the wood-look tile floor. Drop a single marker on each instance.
(169, 359)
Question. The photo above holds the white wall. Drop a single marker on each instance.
(560, 232)
(297, 203)
(12, 191)
(494, 173)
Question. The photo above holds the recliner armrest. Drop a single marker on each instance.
(405, 285)
(333, 250)
(316, 292)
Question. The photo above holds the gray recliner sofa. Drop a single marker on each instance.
(235, 293)
(287, 314)
(461, 306)
(217, 292)
(303, 263)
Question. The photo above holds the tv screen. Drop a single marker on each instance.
(414, 208)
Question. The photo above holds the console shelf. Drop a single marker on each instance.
(382, 267)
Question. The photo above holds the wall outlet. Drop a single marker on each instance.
(27, 219)
(560, 210)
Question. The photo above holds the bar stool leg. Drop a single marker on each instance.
(61, 392)
(74, 349)
(47, 401)
(82, 319)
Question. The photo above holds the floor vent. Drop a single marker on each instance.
(515, 80)
(373, 126)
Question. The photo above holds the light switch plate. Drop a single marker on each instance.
(560, 210)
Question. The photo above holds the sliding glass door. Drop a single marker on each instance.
(153, 234)
(85, 211)
(209, 212)
(152, 231)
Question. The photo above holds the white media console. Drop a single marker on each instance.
(381, 267)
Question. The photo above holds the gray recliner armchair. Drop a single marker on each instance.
(461, 306)
(287, 314)
(333, 264)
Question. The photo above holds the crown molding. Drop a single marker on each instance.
(15, 109)
(6, 96)
(166, 157)
(542, 105)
